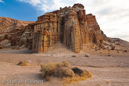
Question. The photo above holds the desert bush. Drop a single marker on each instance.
(108, 82)
(84, 75)
(63, 71)
(56, 69)
(22, 63)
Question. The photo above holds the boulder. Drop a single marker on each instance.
(77, 71)
(125, 51)
(87, 55)
(1, 47)
(73, 55)
(112, 47)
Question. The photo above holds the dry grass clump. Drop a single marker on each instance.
(107, 82)
(63, 71)
(98, 85)
(56, 69)
(22, 63)
(83, 76)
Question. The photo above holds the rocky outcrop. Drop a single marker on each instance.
(70, 25)
(116, 44)
(95, 34)
(11, 31)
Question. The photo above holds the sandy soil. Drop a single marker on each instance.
(106, 70)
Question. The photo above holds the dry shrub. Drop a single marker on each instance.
(22, 63)
(62, 70)
(98, 85)
(86, 74)
(56, 69)
(83, 76)
(108, 82)
(69, 80)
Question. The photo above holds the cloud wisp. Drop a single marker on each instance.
(1, 1)
(111, 15)
(48, 5)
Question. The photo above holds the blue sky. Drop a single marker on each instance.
(112, 15)
(18, 10)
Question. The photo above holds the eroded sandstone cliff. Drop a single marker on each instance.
(70, 25)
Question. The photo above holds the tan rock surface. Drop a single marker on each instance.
(12, 30)
(70, 25)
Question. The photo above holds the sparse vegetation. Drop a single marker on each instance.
(56, 69)
(107, 82)
(63, 71)
(83, 76)
(22, 63)
(98, 85)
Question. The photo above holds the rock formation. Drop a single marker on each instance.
(70, 25)
(11, 31)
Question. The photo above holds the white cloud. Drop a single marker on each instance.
(33, 2)
(112, 15)
(1, 1)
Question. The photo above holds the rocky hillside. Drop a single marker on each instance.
(119, 44)
(9, 24)
(11, 30)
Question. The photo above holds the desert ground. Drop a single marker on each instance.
(108, 68)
